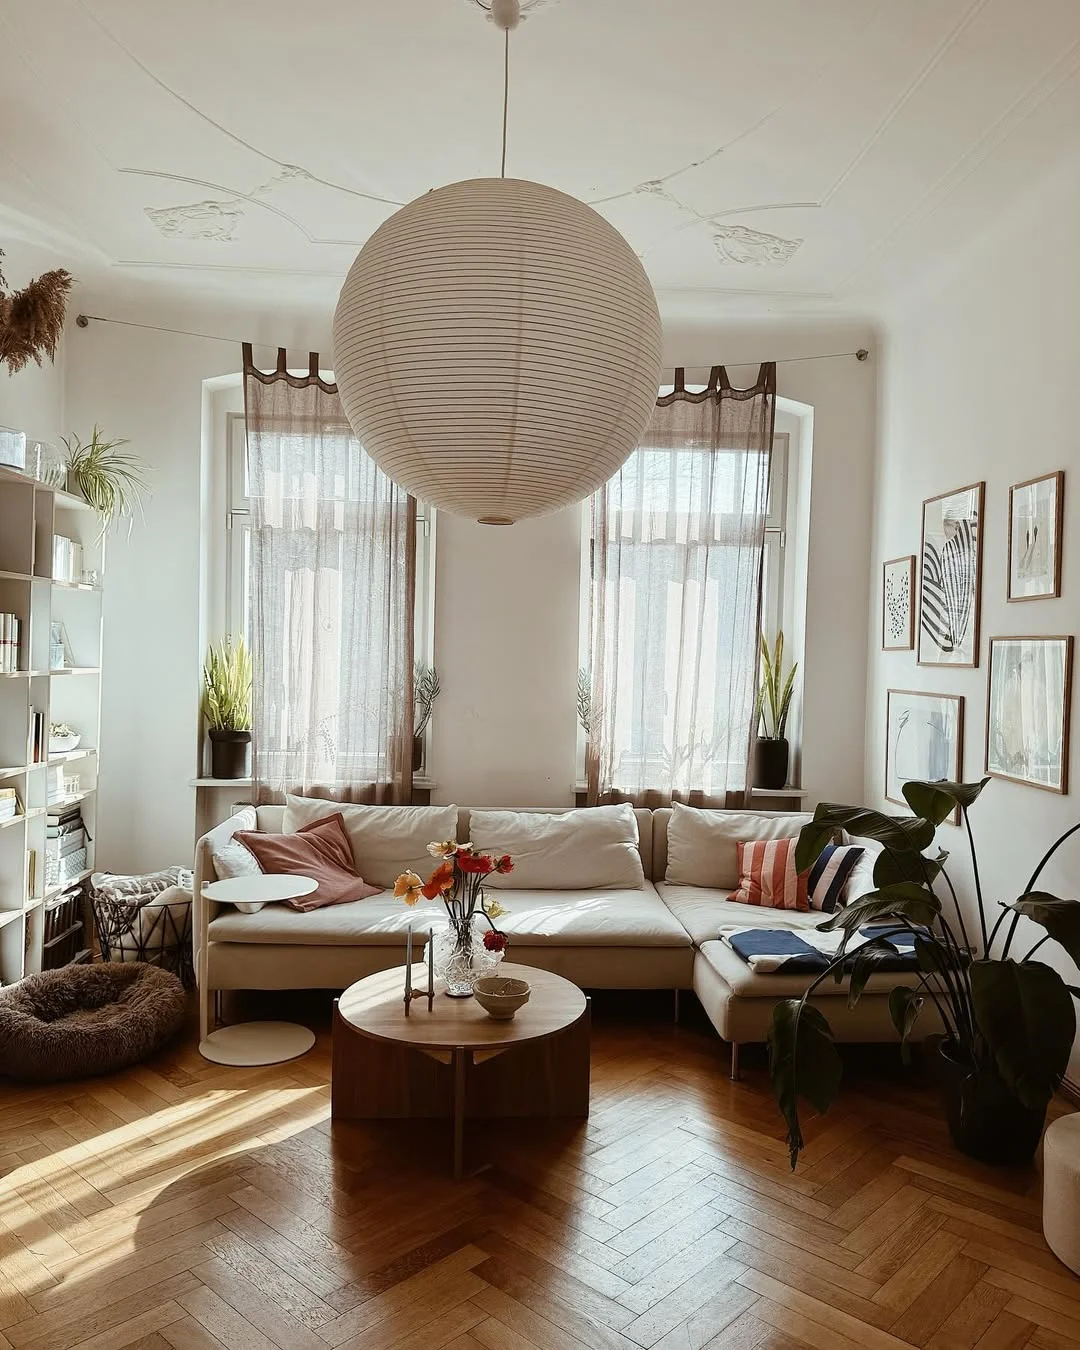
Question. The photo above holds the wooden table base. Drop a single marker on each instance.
(382, 1080)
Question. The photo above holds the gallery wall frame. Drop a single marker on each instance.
(1036, 519)
(924, 740)
(898, 604)
(1029, 710)
(950, 577)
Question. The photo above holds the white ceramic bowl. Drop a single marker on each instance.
(501, 996)
(64, 744)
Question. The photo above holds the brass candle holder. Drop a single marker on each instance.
(410, 992)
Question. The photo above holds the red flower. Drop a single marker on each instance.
(442, 879)
(504, 864)
(480, 864)
(495, 941)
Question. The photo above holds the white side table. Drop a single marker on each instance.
(246, 1044)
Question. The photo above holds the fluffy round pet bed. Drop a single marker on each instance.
(84, 1020)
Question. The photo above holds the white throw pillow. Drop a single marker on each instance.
(572, 851)
(703, 846)
(229, 856)
(386, 840)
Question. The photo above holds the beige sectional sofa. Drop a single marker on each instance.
(609, 897)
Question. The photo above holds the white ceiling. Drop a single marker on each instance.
(769, 157)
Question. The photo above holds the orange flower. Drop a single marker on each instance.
(408, 887)
(442, 879)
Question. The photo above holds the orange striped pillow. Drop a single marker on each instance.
(767, 875)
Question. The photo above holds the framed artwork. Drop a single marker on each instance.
(1028, 709)
(1035, 518)
(898, 604)
(950, 581)
(59, 648)
(924, 740)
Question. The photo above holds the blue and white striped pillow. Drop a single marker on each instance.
(829, 876)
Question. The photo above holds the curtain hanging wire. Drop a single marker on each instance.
(83, 321)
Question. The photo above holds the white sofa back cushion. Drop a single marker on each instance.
(596, 846)
(386, 840)
(703, 846)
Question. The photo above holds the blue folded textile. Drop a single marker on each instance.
(793, 955)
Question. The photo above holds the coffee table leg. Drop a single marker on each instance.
(459, 1111)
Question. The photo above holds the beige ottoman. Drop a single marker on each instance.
(1061, 1189)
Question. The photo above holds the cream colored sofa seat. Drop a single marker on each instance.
(604, 938)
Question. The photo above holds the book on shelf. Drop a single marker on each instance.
(67, 558)
(38, 742)
(9, 803)
(11, 627)
(68, 843)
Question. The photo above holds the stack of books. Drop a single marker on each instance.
(65, 845)
(10, 635)
(9, 804)
(67, 559)
(39, 741)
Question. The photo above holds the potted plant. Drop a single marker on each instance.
(1009, 1021)
(110, 480)
(771, 750)
(226, 705)
(426, 689)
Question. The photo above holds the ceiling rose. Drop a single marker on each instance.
(497, 346)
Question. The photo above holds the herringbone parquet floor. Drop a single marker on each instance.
(190, 1206)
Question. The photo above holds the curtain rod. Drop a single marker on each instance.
(83, 321)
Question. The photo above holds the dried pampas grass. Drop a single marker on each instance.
(32, 320)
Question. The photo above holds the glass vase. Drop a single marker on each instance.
(460, 957)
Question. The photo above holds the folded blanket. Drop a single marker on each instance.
(809, 951)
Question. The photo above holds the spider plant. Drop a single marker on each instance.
(775, 691)
(112, 481)
(226, 701)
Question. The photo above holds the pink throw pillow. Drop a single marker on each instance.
(320, 850)
(767, 875)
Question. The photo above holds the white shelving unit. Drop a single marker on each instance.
(32, 514)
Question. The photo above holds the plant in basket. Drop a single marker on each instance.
(1009, 1020)
(471, 946)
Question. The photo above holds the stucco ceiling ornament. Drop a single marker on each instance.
(752, 248)
(215, 220)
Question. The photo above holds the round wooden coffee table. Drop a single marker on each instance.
(456, 1061)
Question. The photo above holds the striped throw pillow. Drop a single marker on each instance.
(828, 877)
(767, 875)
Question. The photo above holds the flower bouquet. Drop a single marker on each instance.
(471, 946)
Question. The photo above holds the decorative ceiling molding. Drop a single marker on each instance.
(201, 220)
(752, 248)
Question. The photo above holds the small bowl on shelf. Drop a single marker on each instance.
(500, 996)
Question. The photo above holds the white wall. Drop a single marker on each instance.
(979, 382)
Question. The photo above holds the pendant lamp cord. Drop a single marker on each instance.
(506, 96)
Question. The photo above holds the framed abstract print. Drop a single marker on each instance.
(924, 740)
(1028, 710)
(898, 604)
(1035, 520)
(950, 578)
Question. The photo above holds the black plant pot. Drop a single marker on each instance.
(417, 753)
(771, 763)
(986, 1120)
(230, 753)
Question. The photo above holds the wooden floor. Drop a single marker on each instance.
(187, 1205)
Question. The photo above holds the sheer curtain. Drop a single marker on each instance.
(675, 599)
(332, 579)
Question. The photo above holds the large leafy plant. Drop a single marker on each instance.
(110, 479)
(226, 702)
(1005, 1016)
(776, 689)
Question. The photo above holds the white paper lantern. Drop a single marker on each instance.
(497, 349)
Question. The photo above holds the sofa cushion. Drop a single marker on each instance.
(320, 851)
(610, 918)
(386, 840)
(575, 850)
(745, 983)
(703, 845)
(704, 910)
(767, 875)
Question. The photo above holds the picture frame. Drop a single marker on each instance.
(59, 647)
(1029, 711)
(898, 604)
(1036, 518)
(924, 740)
(950, 577)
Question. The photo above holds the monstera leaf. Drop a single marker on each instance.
(1025, 1013)
(1060, 918)
(900, 833)
(803, 1062)
(937, 801)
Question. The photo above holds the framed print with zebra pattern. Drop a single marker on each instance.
(950, 580)
(898, 604)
